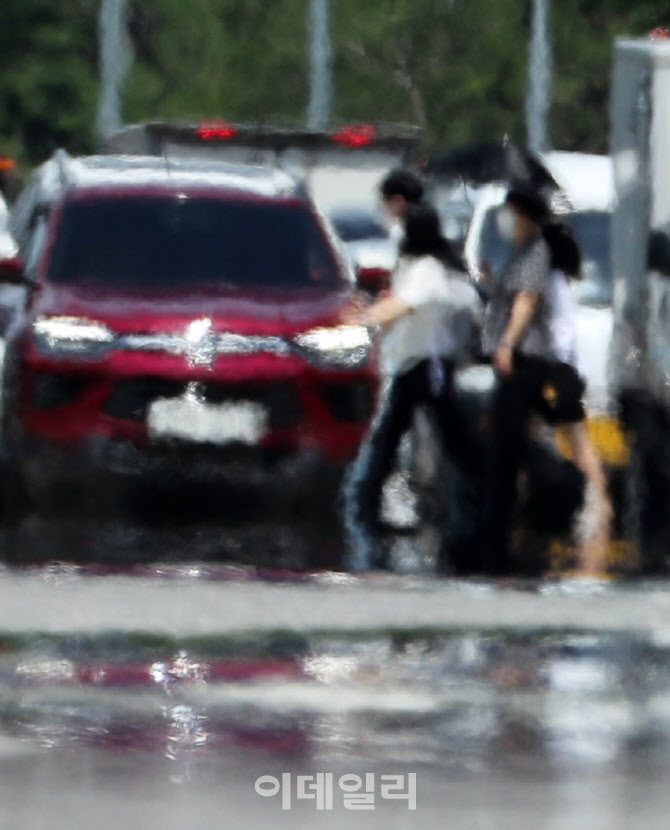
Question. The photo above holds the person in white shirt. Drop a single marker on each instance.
(563, 405)
(427, 323)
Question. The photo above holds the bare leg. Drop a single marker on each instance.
(594, 529)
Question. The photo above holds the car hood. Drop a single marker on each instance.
(260, 312)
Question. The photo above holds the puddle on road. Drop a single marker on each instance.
(447, 699)
(167, 730)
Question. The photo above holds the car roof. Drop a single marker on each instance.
(63, 172)
(107, 171)
(586, 179)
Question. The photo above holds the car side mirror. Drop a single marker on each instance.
(13, 271)
(373, 280)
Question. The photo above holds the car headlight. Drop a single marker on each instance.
(346, 346)
(72, 336)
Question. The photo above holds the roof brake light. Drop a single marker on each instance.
(357, 135)
(216, 130)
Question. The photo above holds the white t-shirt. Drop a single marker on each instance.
(445, 310)
(563, 319)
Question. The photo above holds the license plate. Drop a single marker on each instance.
(202, 422)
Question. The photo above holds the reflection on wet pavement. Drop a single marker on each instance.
(509, 725)
(452, 703)
(459, 701)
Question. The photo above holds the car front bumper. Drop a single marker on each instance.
(109, 475)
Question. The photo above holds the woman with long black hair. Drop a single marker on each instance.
(530, 335)
(516, 336)
(564, 406)
(422, 339)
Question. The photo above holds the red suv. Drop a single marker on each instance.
(182, 319)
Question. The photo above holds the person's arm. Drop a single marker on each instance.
(523, 309)
(386, 311)
(414, 290)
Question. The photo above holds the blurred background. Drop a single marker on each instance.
(455, 68)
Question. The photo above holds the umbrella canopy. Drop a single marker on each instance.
(491, 162)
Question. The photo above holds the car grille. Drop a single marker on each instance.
(131, 398)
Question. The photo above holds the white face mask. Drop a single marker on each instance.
(506, 223)
(396, 230)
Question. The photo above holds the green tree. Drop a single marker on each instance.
(452, 66)
(238, 59)
(48, 76)
(456, 67)
(583, 35)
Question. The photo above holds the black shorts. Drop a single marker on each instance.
(560, 399)
(552, 390)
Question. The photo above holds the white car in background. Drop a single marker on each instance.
(368, 243)
(8, 247)
(11, 296)
(455, 205)
(586, 203)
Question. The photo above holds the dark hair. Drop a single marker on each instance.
(529, 203)
(401, 182)
(423, 237)
(565, 253)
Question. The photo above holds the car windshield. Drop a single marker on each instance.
(157, 242)
(592, 231)
(354, 226)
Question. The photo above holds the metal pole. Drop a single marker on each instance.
(538, 99)
(321, 66)
(115, 57)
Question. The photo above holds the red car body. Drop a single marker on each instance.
(68, 403)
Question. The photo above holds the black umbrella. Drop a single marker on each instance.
(491, 162)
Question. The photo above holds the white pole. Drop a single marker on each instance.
(321, 66)
(115, 57)
(538, 99)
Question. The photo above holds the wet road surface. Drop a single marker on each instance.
(156, 696)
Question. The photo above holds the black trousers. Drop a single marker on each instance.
(409, 390)
(517, 398)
